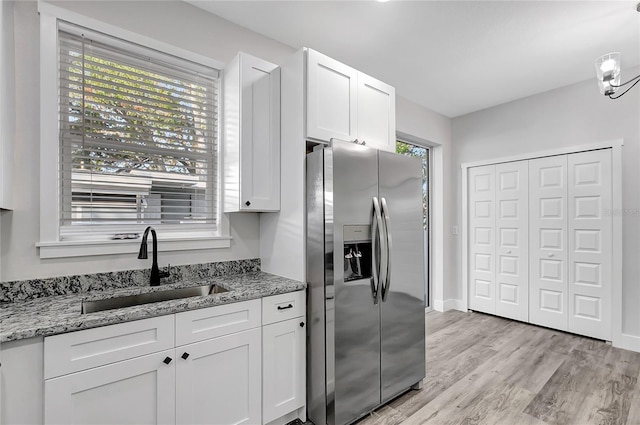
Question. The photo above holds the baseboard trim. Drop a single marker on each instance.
(627, 342)
(450, 304)
(438, 305)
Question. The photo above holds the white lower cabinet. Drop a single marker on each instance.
(228, 368)
(218, 380)
(136, 391)
(283, 359)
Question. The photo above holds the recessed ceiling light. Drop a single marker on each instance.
(382, 1)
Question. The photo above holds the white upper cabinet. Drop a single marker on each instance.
(331, 98)
(7, 105)
(346, 104)
(251, 135)
(376, 113)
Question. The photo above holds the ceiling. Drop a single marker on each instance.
(454, 57)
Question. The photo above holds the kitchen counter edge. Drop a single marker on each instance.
(62, 314)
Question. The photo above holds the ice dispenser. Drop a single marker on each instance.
(357, 252)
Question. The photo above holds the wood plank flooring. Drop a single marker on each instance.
(487, 370)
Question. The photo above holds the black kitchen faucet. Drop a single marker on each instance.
(154, 279)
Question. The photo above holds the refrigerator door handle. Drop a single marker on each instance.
(376, 240)
(386, 283)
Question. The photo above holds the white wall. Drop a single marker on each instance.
(432, 129)
(196, 30)
(573, 115)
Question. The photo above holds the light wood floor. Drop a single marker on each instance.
(483, 369)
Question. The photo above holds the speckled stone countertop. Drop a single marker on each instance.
(60, 314)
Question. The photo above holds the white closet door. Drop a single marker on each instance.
(548, 245)
(512, 231)
(590, 244)
(482, 246)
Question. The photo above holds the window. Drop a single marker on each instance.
(138, 138)
(416, 151)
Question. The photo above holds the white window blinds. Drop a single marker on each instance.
(138, 137)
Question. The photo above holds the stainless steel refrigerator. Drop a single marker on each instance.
(365, 275)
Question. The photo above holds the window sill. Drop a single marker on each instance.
(63, 249)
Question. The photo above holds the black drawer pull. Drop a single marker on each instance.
(285, 307)
(302, 324)
(185, 355)
(167, 360)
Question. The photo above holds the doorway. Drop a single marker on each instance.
(410, 149)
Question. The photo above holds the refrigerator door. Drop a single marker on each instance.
(402, 307)
(355, 365)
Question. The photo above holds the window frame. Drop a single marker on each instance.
(50, 244)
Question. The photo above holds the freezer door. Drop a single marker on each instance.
(402, 305)
(354, 368)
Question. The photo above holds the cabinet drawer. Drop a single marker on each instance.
(76, 351)
(206, 323)
(283, 307)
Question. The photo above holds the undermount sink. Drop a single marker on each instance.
(150, 297)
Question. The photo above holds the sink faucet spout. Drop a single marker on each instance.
(154, 280)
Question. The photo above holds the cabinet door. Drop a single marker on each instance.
(548, 242)
(376, 113)
(283, 358)
(218, 380)
(512, 244)
(260, 135)
(331, 98)
(251, 135)
(482, 239)
(136, 391)
(590, 243)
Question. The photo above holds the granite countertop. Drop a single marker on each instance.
(60, 314)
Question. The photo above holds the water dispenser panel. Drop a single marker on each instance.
(357, 252)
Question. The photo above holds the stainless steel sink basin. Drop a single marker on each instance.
(150, 297)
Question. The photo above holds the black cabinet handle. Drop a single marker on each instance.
(302, 324)
(167, 360)
(185, 355)
(247, 203)
(285, 307)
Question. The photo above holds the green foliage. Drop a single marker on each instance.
(422, 153)
(124, 113)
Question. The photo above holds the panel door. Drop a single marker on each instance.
(376, 113)
(590, 244)
(283, 363)
(351, 182)
(135, 391)
(548, 289)
(482, 239)
(332, 89)
(260, 135)
(512, 239)
(402, 297)
(218, 381)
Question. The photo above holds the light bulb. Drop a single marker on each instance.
(608, 72)
(608, 66)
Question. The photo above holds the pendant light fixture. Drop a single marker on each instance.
(608, 74)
